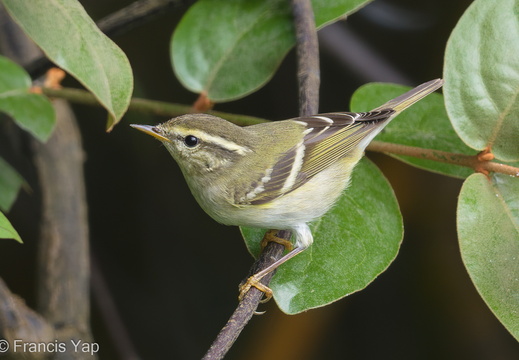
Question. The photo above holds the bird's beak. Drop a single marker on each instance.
(151, 130)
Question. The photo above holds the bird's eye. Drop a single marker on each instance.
(191, 141)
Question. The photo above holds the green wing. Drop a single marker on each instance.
(328, 137)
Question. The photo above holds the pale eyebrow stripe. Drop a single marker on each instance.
(220, 141)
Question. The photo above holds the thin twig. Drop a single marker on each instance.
(307, 57)
(308, 74)
(160, 108)
(113, 322)
(135, 14)
(247, 307)
(470, 161)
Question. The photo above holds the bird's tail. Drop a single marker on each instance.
(402, 102)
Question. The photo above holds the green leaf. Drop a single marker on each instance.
(12, 76)
(229, 49)
(488, 230)
(425, 125)
(32, 112)
(7, 231)
(10, 184)
(482, 77)
(327, 12)
(353, 243)
(71, 39)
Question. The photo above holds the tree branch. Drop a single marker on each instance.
(64, 296)
(18, 321)
(247, 307)
(171, 109)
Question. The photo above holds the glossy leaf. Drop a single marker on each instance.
(488, 230)
(482, 77)
(32, 112)
(353, 243)
(10, 184)
(229, 49)
(7, 231)
(424, 125)
(71, 39)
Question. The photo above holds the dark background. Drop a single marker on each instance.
(173, 272)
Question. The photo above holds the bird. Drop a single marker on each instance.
(275, 175)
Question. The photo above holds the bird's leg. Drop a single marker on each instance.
(255, 279)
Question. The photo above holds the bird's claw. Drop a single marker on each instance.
(254, 281)
(271, 236)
